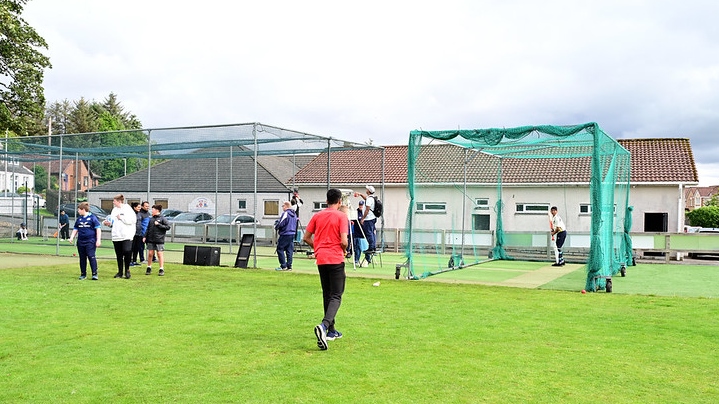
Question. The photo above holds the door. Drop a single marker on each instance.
(656, 222)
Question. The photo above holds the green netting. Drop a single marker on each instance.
(477, 194)
(234, 158)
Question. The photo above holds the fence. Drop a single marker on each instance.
(519, 245)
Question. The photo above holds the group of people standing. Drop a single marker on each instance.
(365, 227)
(363, 230)
(132, 228)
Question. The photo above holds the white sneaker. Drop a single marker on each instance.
(321, 334)
(364, 264)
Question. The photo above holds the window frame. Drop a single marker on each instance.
(427, 207)
(589, 209)
(481, 203)
(271, 203)
(538, 208)
(476, 216)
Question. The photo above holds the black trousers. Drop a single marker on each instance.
(65, 232)
(332, 278)
(561, 237)
(123, 254)
(138, 247)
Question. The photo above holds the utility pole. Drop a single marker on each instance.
(49, 159)
(4, 185)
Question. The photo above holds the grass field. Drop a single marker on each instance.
(220, 334)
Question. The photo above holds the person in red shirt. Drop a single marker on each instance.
(327, 233)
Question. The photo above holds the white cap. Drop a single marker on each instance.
(370, 188)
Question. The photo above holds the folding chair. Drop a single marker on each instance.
(373, 256)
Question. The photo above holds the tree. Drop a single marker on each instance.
(112, 105)
(105, 124)
(22, 96)
(41, 179)
(706, 216)
(59, 112)
(83, 118)
(713, 201)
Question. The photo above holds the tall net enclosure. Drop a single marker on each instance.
(485, 194)
(221, 160)
(119, 153)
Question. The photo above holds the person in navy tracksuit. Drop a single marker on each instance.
(287, 228)
(87, 230)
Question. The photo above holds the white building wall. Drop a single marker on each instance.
(395, 202)
(644, 198)
(650, 198)
(657, 199)
(10, 181)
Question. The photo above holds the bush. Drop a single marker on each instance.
(706, 216)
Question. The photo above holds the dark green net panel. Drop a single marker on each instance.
(460, 180)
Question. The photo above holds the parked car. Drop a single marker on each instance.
(223, 227)
(171, 213)
(191, 217)
(71, 210)
(35, 199)
(705, 230)
(691, 229)
(237, 218)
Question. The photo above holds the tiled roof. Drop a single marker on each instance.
(661, 160)
(357, 166)
(704, 192)
(653, 160)
(198, 175)
(20, 169)
(53, 167)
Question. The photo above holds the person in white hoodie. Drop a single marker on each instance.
(122, 219)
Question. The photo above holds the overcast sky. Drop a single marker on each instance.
(360, 70)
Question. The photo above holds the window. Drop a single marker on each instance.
(481, 203)
(480, 222)
(242, 204)
(586, 209)
(84, 181)
(319, 205)
(106, 205)
(272, 208)
(432, 207)
(532, 208)
(161, 202)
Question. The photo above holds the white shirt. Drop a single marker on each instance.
(369, 205)
(124, 227)
(557, 222)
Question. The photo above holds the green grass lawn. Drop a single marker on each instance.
(221, 334)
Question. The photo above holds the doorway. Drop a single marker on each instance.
(656, 222)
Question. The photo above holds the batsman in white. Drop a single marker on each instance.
(559, 235)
